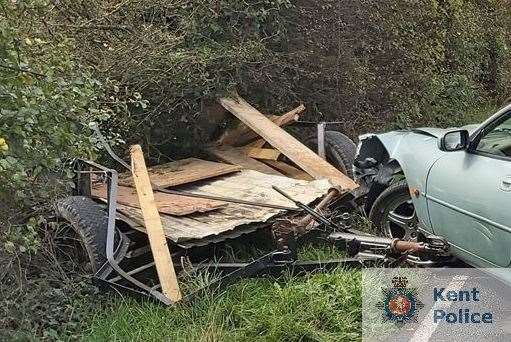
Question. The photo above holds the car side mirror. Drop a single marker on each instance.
(454, 141)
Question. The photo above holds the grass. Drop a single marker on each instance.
(318, 307)
(315, 307)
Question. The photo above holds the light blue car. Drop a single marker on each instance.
(454, 183)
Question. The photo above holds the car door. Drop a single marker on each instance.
(469, 195)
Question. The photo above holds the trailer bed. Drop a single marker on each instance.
(247, 185)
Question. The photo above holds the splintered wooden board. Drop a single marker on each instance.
(182, 172)
(301, 155)
(238, 157)
(166, 203)
(262, 153)
(242, 134)
(288, 170)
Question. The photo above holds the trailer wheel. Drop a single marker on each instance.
(89, 221)
(339, 150)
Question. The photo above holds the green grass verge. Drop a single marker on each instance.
(318, 307)
(315, 307)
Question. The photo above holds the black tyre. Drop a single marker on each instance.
(89, 221)
(393, 213)
(339, 150)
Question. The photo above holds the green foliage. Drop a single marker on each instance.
(44, 100)
(175, 53)
(48, 310)
(371, 65)
(409, 63)
(378, 65)
(47, 100)
(460, 63)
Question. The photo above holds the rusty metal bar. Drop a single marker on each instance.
(307, 220)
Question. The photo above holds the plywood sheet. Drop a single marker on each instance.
(248, 185)
(182, 172)
(166, 203)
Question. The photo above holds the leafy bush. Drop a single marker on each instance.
(49, 309)
(377, 65)
(44, 100)
(175, 53)
(407, 62)
(47, 100)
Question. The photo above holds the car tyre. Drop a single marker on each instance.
(393, 213)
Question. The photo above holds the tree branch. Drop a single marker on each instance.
(21, 70)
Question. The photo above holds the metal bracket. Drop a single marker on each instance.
(321, 140)
(321, 129)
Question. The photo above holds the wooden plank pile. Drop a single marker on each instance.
(169, 175)
(251, 157)
(245, 144)
(256, 143)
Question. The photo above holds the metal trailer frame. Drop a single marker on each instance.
(83, 170)
(128, 259)
(119, 271)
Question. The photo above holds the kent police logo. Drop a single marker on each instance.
(400, 304)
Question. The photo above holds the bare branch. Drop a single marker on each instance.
(96, 27)
(21, 70)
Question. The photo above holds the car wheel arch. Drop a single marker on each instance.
(387, 174)
(385, 158)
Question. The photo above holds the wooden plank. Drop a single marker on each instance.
(238, 157)
(166, 203)
(232, 135)
(289, 117)
(154, 228)
(289, 170)
(242, 134)
(262, 153)
(302, 156)
(259, 143)
(182, 172)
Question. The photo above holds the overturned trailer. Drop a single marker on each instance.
(283, 193)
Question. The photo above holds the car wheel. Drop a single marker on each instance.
(393, 213)
(339, 150)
